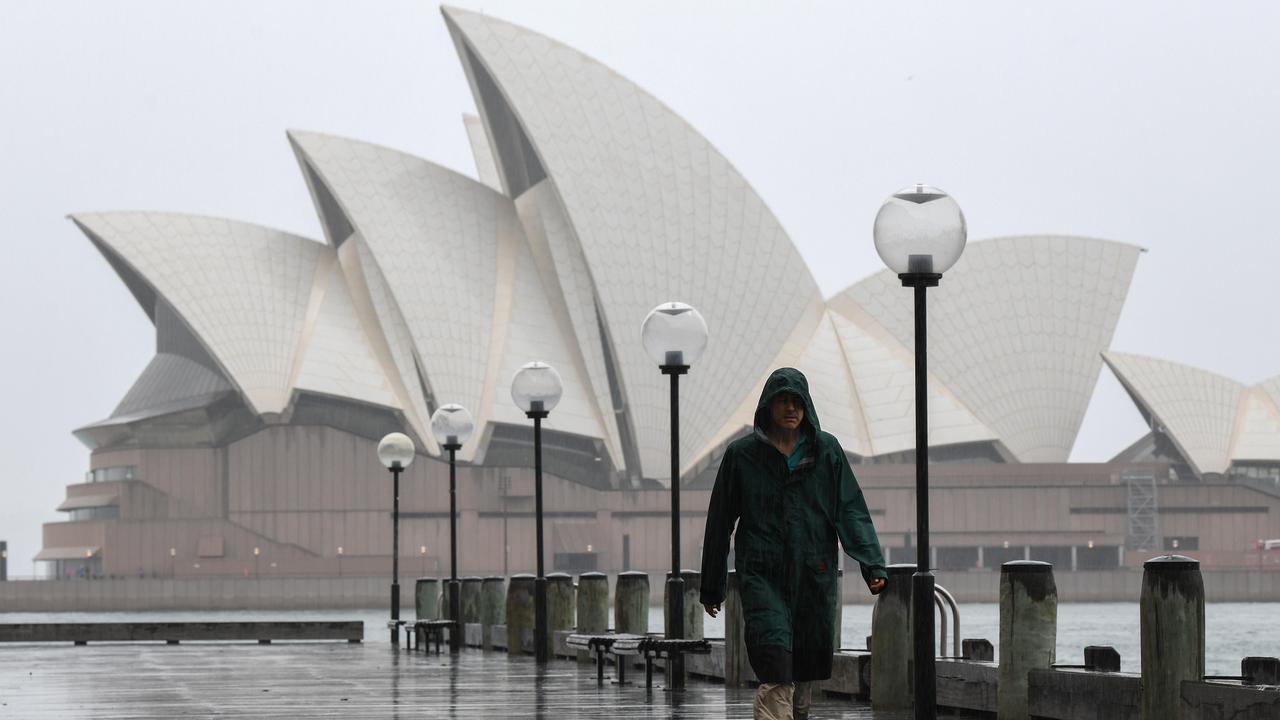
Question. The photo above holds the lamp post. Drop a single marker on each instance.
(451, 425)
(919, 234)
(674, 335)
(256, 552)
(396, 452)
(173, 559)
(339, 561)
(536, 389)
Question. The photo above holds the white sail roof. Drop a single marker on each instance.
(659, 214)
(835, 397)
(884, 375)
(433, 234)
(1015, 332)
(595, 203)
(1211, 419)
(535, 331)
(558, 259)
(242, 289)
(337, 357)
(486, 169)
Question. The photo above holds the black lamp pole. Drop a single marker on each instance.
(923, 582)
(455, 594)
(675, 581)
(396, 469)
(536, 413)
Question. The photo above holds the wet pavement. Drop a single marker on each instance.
(319, 680)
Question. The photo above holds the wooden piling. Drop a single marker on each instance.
(1028, 631)
(631, 603)
(1172, 628)
(561, 606)
(736, 663)
(593, 603)
(891, 641)
(593, 608)
(692, 606)
(426, 592)
(471, 599)
(519, 612)
(493, 607)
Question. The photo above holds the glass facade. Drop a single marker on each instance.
(70, 569)
(106, 512)
(991, 557)
(112, 474)
(1256, 471)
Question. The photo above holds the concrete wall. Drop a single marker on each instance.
(240, 593)
(144, 594)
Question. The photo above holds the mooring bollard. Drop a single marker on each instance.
(493, 607)
(891, 641)
(560, 607)
(1260, 670)
(1028, 631)
(593, 607)
(631, 603)
(692, 606)
(1101, 658)
(735, 638)
(977, 650)
(425, 594)
(1172, 608)
(519, 612)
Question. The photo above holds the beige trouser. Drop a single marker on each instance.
(783, 701)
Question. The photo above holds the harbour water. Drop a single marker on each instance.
(1233, 630)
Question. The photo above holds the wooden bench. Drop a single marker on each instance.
(652, 647)
(599, 644)
(426, 631)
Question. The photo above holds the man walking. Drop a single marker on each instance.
(789, 489)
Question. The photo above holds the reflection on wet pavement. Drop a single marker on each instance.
(337, 680)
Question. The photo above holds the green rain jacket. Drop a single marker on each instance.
(788, 524)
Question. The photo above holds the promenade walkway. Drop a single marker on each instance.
(334, 680)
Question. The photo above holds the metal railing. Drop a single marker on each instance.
(940, 596)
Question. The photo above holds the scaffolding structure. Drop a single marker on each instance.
(1144, 511)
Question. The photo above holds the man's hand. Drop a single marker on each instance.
(711, 608)
(876, 585)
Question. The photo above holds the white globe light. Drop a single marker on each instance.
(452, 424)
(536, 387)
(395, 451)
(674, 334)
(920, 229)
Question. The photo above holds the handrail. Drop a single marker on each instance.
(942, 625)
(941, 592)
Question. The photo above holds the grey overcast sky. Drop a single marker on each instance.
(1152, 123)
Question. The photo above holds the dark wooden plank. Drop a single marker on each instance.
(181, 631)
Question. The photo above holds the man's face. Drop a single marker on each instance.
(786, 410)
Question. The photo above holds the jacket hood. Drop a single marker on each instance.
(786, 380)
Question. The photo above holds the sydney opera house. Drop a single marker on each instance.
(247, 444)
